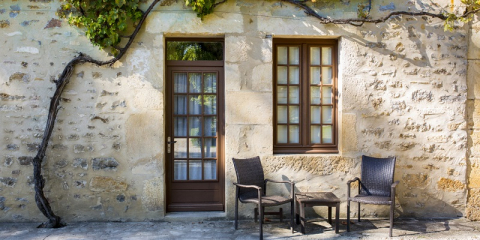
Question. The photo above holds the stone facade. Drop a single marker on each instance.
(406, 88)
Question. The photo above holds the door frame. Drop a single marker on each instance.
(170, 67)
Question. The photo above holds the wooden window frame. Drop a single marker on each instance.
(304, 146)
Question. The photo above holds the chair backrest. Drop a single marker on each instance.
(377, 175)
(249, 172)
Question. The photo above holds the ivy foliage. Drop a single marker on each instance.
(201, 7)
(103, 20)
(470, 6)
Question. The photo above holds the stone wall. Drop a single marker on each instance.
(402, 91)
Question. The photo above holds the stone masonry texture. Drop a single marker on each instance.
(406, 88)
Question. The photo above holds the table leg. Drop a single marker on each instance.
(330, 215)
(302, 217)
(337, 216)
(297, 217)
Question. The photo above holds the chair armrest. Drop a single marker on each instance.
(394, 185)
(292, 185)
(392, 191)
(247, 186)
(348, 184)
(353, 180)
(273, 181)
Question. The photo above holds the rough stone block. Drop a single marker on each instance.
(419, 180)
(104, 164)
(25, 160)
(8, 181)
(349, 132)
(107, 184)
(450, 185)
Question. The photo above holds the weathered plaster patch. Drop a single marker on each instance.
(419, 180)
(31, 50)
(139, 61)
(152, 198)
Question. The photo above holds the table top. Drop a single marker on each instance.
(316, 197)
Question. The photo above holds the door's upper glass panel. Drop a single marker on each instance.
(194, 51)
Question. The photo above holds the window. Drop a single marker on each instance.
(305, 113)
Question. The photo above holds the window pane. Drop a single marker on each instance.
(326, 55)
(180, 82)
(180, 104)
(210, 169)
(282, 134)
(294, 134)
(293, 95)
(281, 94)
(327, 75)
(327, 114)
(294, 55)
(282, 55)
(180, 170)
(327, 95)
(315, 114)
(180, 148)
(327, 134)
(210, 83)
(195, 82)
(314, 75)
(281, 75)
(210, 126)
(194, 51)
(282, 114)
(180, 126)
(210, 104)
(315, 134)
(195, 148)
(210, 148)
(293, 114)
(315, 95)
(293, 75)
(315, 55)
(195, 126)
(195, 170)
(195, 104)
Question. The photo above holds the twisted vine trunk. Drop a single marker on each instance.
(43, 205)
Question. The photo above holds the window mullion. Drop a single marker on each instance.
(305, 96)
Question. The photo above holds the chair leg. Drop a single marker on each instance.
(261, 221)
(236, 214)
(348, 216)
(255, 213)
(359, 212)
(392, 208)
(291, 215)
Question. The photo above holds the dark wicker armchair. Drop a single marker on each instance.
(376, 185)
(251, 187)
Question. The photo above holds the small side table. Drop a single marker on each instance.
(311, 199)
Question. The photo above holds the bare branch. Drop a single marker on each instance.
(218, 3)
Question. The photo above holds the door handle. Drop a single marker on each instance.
(169, 144)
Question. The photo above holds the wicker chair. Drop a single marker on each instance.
(376, 186)
(251, 187)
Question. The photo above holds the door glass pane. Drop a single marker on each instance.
(194, 51)
(294, 134)
(195, 126)
(210, 83)
(180, 148)
(315, 95)
(180, 82)
(315, 55)
(315, 134)
(326, 55)
(210, 103)
(180, 104)
(314, 75)
(315, 114)
(195, 82)
(210, 169)
(293, 95)
(180, 126)
(282, 134)
(281, 94)
(195, 148)
(180, 170)
(327, 75)
(195, 104)
(282, 55)
(195, 170)
(210, 126)
(327, 95)
(294, 55)
(293, 75)
(327, 134)
(327, 114)
(282, 114)
(293, 114)
(281, 75)
(210, 148)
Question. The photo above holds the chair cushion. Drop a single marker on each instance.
(370, 199)
(268, 200)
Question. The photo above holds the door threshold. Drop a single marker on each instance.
(195, 216)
